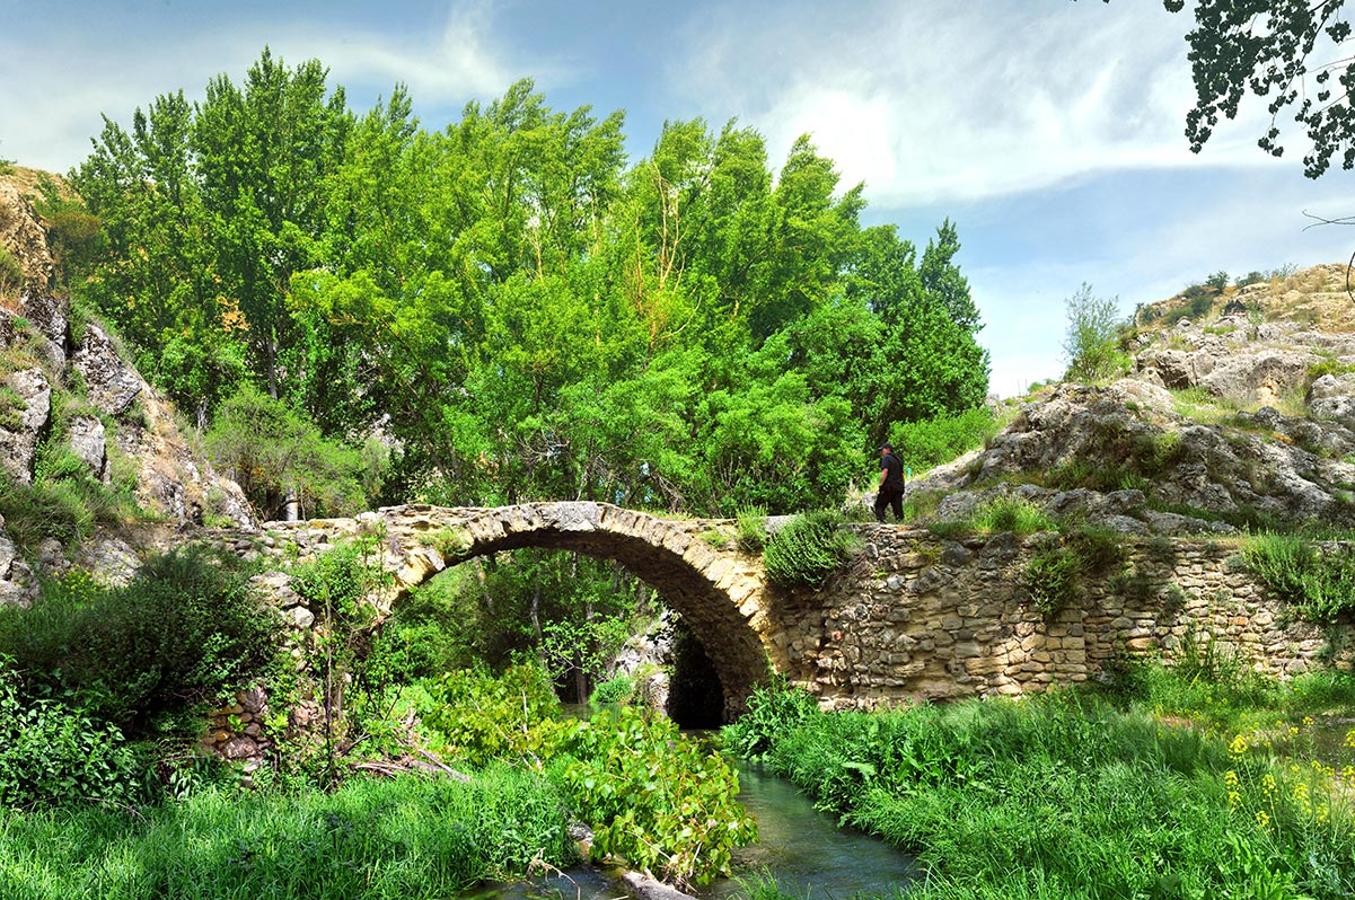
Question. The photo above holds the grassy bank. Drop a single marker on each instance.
(1070, 794)
(410, 837)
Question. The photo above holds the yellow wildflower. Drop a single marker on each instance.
(1293, 730)
(1262, 819)
(1309, 721)
(1230, 778)
(1234, 799)
(1350, 739)
(1239, 745)
(1268, 783)
(1322, 813)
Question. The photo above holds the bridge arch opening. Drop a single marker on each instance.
(719, 594)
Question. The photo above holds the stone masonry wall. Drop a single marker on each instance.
(923, 617)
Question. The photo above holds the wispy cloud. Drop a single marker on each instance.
(961, 101)
(57, 85)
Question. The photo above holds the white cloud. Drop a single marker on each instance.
(56, 86)
(948, 101)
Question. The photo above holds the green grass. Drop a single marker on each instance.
(1069, 795)
(404, 838)
(1001, 514)
(809, 548)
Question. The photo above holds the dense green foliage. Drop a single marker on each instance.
(140, 656)
(652, 796)
(407, 838)
(809, 548)
(1321, 585)
(1050, 577)
(277, 455)
(527, 313)
(1063, 795)
(931, 442)
(51, 754)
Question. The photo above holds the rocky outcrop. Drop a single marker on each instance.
(108, 418)
(25, 415)
(1217, 451)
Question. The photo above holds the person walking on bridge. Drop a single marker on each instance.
(890, 493)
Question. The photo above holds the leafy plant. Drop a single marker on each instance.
(774, 708)
(51, 754)
(1092, 341)
(751, 529)
(143, 656)
(1010, 513)
(618, 689)
(1320, 585)
(1051, 579)
(655, 798)
(809, 548)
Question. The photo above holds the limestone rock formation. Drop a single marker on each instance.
(1222, 422)
(108, 418)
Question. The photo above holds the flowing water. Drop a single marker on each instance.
(800, 847)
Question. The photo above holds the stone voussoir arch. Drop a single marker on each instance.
(722, 593)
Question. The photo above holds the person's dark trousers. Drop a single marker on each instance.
(889, 498)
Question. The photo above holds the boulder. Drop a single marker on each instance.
(111, 383)
(25, 414)
(1263, 377)
(18, 587)
(86, 437)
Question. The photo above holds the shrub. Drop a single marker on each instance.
(1321, 586)
(809, 548)
(933, 442)
(184, 630)
(654, 797)
(1217, 282)
(1092, 341)
(1051, 579)
(618, 689)
(1008, 513)
(751, 528)
(11, 273)
(773, 709)
(52, 755)
(275, 452)
(484, 718)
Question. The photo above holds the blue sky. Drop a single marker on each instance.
(1049, 131)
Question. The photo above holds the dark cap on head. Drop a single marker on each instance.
(889, 447)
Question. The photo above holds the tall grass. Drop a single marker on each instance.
(809, 548)
(1320, 585)
(405, 838)
(1064, 795)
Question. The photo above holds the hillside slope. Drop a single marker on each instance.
(87, 447)
(1241, 417)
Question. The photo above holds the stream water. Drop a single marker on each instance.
(800, 847)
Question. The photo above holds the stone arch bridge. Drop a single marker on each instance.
(720, 592)
(915, 616)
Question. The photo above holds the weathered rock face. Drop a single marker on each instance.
(133, 427)
(112, 384)
(25, 414)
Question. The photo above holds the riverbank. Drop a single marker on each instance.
(1078, 793)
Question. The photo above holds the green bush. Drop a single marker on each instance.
(809, 548)
(1321, 586)
(773, 709)
(1092, 341)
(654, 797)
(751, 529)
(618, 689)
(64, 501)
(11, 273)
(182, 632)
(933, 442)
(410, 837)
(1051, 579)
(483, 718)
(52, 755)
